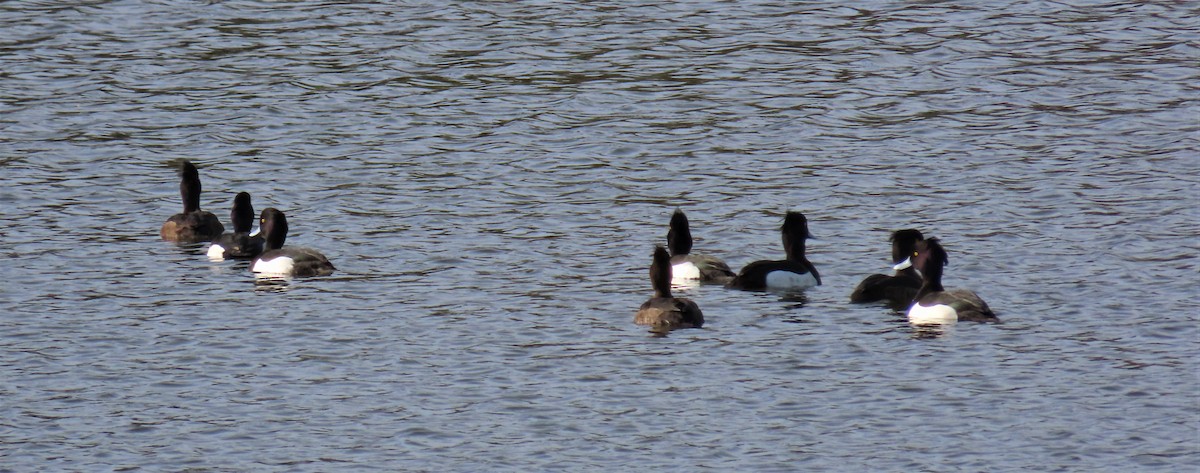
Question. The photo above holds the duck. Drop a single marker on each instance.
(686, 267)
(664, 311)
(933, 304)
(239, 244)
(899, 288)
(793, 273)
(192, 225)
(275, 260)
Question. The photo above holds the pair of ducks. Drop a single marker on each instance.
(917, 284)
(928, 301)
(264, 249)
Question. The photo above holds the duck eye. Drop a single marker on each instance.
(915, 253)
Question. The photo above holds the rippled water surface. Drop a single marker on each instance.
(490, 179)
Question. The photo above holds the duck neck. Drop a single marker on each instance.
(190, 191)
(242, 214)
(275, 240)
(660, 274)
(794, 248)
(931, 281)
(274, 233)
(243, 223)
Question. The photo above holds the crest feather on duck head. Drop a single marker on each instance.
(795, 224)
(930, 250)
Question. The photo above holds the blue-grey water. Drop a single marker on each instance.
(490, 179)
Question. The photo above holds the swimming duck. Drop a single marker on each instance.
(795, 272)
(276, 260)
(663, 310)
(933, 304)
(193, 225)
(689, 267)
(240, 243)
(899, 288)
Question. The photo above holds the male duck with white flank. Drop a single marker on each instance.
(663, 311)
(193, 225)
(899, 288)
(240, 243)
(291, 261)
(933, 304)
(793, 273)
(686, 267)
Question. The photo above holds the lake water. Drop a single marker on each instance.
(490, 179)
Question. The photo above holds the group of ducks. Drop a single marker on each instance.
(264, 248)
(915, 285)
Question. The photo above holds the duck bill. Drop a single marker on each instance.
(903, 265)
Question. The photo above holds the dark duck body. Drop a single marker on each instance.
(795, 272)
(193, 225)
(685, 266)
(276, 260)
(900, 288)
(664, 311)
(239, 244)
(933, 303)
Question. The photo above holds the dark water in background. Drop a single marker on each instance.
(490, 178)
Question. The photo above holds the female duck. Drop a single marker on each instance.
(279, 261)
(933, 304)
(662, 310)
(795, 272)
(687, 267)
(239, 244)
(899, 288)
(193, 225)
